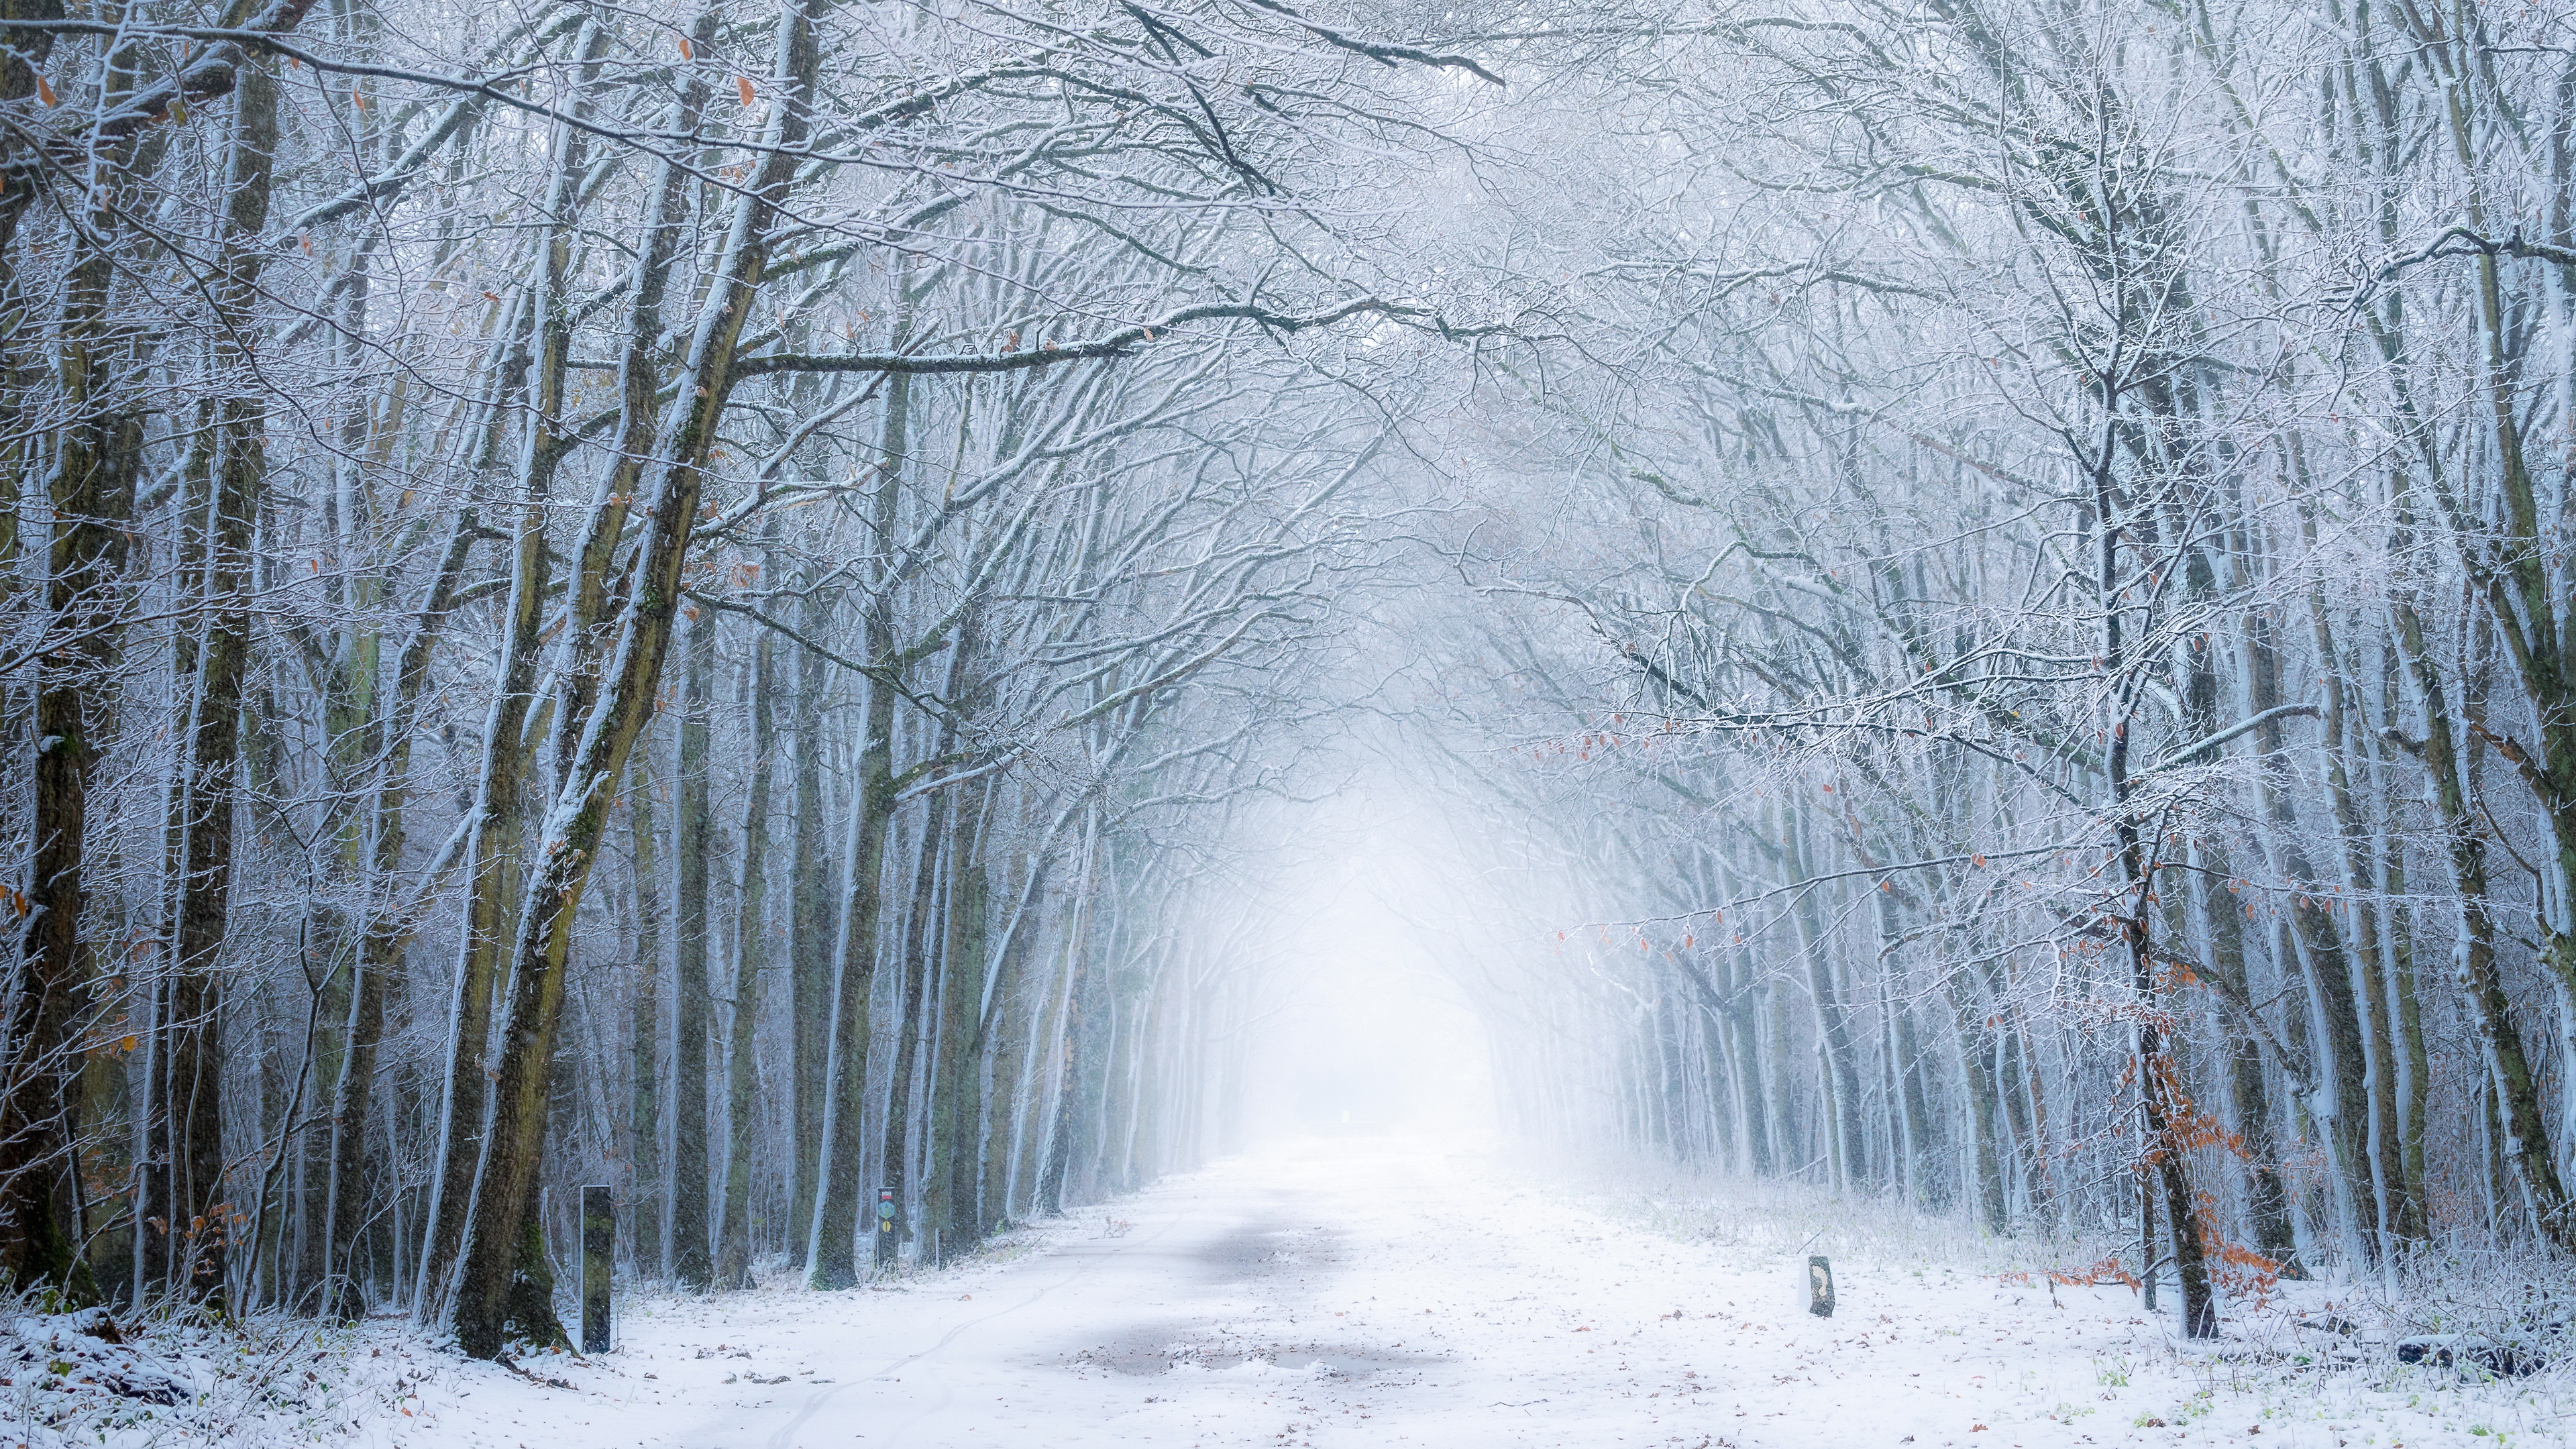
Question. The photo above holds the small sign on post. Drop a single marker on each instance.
(886, 1244)
(1820, 1286)
(598, 1262)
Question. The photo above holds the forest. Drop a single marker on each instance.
(1965, 602)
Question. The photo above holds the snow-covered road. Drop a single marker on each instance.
(1383, 1292)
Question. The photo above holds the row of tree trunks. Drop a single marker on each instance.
(594, 742)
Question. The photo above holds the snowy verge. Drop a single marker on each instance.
(126, 1382)
(2404, 1359)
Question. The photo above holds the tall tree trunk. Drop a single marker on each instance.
(2416, 1075)
(691, 1262)
(1753, 1086)
(2319, 951)
(491, 872)
(808, 939)
(751, 943)
(1982, 1168)
(91, 490)
(953, 1203)
(589, 626)
(1842, 1079)
(927, 937)
(2164, 1102)
(42, 1107)
(1019, 1020)
(195, 1087)
(647, 1193)
(832, 1246)
(2267, 1196)
(911, 1025)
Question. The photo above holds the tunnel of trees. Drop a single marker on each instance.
(732, 598)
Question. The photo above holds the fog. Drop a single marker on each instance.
(1365, 1027)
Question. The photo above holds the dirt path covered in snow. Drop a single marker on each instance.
(1383, 1292)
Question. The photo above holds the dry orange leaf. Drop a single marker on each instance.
(742, 83)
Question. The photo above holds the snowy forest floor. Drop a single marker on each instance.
(1380, 1291)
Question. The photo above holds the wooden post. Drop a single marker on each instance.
(598, 1259)
(1820, 1286)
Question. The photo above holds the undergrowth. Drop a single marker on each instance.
(127, 1381)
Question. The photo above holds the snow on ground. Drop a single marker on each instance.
(1339, 1293)
(77, 1379)
(1386, 1292)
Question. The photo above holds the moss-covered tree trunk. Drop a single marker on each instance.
(691, 842)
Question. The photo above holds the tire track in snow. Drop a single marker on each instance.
(785, 1437)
